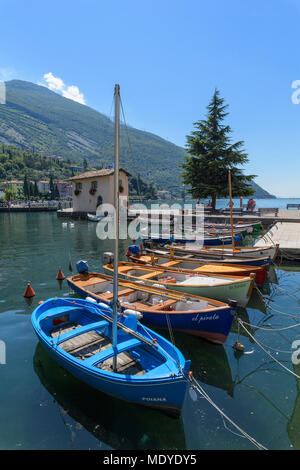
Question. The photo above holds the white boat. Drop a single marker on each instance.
(219, 287)
(95, 218)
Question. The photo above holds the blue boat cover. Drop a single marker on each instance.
(134, 249)
(82, 266)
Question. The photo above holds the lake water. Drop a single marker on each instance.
(43, 407)
(280, 203)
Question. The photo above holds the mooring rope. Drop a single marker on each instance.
(267, 352)
(244, 434)
(273, 309)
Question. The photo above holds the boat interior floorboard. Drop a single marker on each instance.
(65, 328)
(126, 364)
(88, 344)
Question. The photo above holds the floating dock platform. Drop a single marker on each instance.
(287, 235)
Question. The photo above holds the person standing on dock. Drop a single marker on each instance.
(251, 205)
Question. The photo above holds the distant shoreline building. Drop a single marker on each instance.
(163, 194)
(93, 188)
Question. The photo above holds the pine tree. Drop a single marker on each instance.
(26, 186)
(212, 155)
(56, 193)
(35, 189)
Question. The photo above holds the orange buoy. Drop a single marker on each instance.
(60, 275)
(40, 302)
(29, 292)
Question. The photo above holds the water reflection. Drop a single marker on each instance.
(118, 424)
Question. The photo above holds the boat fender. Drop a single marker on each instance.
(161, 286)
(104, 306)
(82, 267)
(107, 257)
(90, 299)
(129, 311)
(131, 322)
(232, 303)
(139, 281)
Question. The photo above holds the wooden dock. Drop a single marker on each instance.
(287, 235)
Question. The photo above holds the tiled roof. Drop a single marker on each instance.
(94, 174)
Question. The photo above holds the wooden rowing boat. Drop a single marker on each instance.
(77, 334)
(206, 258)
(220, 287)
(238, 251)
(207, 318)
(187, 264)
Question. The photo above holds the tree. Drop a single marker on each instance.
(26, 187)
(212, 155)
(35, 190)
(51, 185)
(9, 195)
(56, 194)
(85, 164)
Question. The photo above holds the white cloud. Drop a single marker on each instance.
(57, 84)
(73, 93)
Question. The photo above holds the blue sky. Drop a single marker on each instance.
(168, 56)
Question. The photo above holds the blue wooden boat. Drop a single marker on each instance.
(207, 240)
(77, 334)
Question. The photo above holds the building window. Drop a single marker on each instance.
(93, 188)
(78, 188)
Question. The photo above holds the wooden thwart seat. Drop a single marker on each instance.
(164, 305)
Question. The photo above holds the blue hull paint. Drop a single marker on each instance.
(214, 326)
(157, 388)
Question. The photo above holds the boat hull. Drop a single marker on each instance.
(219, 258)
(162, 396)
(240, 291)
(163, 392)
(270, 252)
(212, 326)
(207, 241)
(207, 268)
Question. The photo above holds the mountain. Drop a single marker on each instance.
(38, 119)
(261, 193)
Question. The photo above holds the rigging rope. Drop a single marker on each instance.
(130, 149)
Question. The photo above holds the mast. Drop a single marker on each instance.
(230, 198)
(116, 204)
